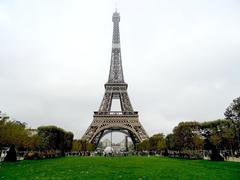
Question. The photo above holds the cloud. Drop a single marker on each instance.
(180, 59)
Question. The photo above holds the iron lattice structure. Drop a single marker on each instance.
(105, 120)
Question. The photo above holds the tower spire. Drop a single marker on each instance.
(116, 72)
(115, 6)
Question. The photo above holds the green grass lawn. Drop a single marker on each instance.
(119, 168)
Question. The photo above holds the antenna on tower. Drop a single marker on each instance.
(115, 6)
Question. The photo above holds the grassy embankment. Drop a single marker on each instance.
(119, 168)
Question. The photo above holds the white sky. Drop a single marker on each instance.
(181, 60)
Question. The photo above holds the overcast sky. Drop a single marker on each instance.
(181, 60)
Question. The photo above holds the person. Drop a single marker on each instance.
(3, 155)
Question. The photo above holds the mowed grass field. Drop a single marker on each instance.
(131, 167)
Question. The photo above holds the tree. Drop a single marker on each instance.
(157, 142)
(68, 139)
(232, 113)
(144, 145)
(33, 142)
(215, 139)
(82, 145)
(75, 145)
(228, 139)
(54, 138)
(170, 142)
(47, 137)
(184, 134)
(219, 134)
(13, 132)
(198, 142)
(90, 147)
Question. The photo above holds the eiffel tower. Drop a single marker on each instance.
(105, 120)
